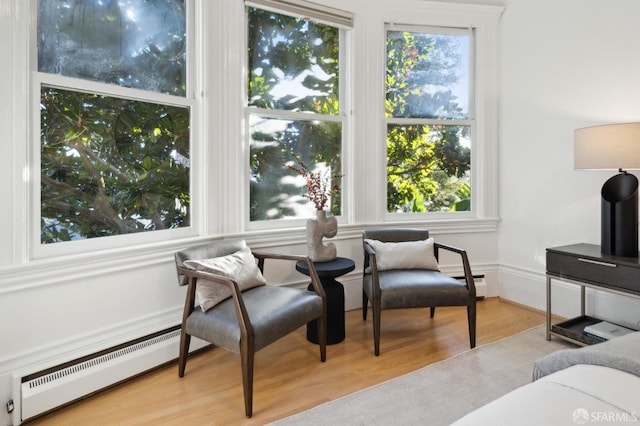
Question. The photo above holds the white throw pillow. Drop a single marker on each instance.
(405, 255)
(240, 266)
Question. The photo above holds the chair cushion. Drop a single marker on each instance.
(239, 266)
(417, 288)
(405, 254)
(274, 312)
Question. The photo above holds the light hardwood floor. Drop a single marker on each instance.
(289, 376)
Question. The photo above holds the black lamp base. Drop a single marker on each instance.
(619, 234)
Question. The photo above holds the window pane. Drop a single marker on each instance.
(428, 168)
(111, 166)
(132, 43)
(427, 75)
(277, 192)
(293, 63)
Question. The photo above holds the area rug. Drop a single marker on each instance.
(440, 393)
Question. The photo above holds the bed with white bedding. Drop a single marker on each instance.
(593, 385)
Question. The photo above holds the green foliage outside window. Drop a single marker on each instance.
(131, 43)
(428, 160)
(293, 86)
(111, 165)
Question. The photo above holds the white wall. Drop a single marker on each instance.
(56, 309)
(565, 64)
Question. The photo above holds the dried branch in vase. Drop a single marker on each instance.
(319, 188)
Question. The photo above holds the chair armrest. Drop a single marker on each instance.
(313, 274)
(449, 248)
(468, 276)
(370, 250)
(261, 256)
(370, 262)
(371, 254)
(372, 268)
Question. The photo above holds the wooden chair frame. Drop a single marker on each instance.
(376, 303)
(247, 340)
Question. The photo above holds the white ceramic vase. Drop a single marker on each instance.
(321, 226)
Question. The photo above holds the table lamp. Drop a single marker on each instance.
(613, 147)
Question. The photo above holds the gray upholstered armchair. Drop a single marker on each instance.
(238, 311)
(407, 276)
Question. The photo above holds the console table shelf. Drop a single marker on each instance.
(586, 266)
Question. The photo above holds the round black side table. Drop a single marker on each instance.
(328, 272)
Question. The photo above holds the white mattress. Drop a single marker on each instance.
(581, 394)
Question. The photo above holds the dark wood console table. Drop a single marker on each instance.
(586, 266)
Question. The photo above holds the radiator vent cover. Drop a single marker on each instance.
(52, 388)
(98, 362)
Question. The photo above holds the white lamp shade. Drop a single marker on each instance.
(608, 147)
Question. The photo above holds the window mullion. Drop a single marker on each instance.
(294, 115)
(306, 10)
(428, 121)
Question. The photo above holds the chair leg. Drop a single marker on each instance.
(471, 316)
(185, 340)
(433, 311)
(246, 358)
(322, 337)
(365, 305)
(376, 328)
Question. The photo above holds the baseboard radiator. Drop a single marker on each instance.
(52, 388)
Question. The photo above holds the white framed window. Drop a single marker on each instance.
(113, 116)
(297, 107)
(430, 120)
